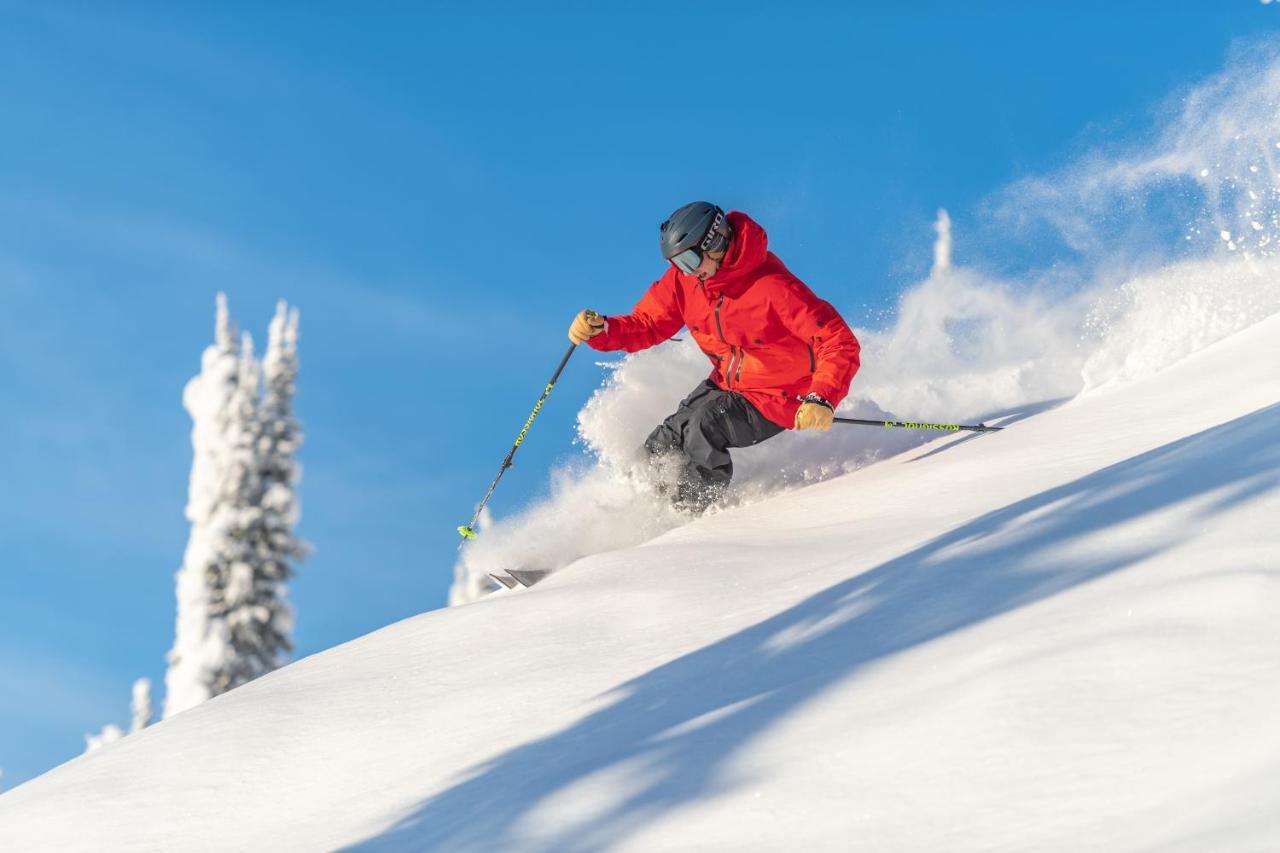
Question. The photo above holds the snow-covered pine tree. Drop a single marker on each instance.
(942, 245)
(252, 601)
(279, 438)
(141, 705)
(201, 642)
(246, 529)
(234, 594)
(141, 708)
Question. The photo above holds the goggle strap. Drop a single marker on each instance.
(713, 232)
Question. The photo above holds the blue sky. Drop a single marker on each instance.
(438, 190)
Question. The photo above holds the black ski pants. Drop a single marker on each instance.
(696, 438)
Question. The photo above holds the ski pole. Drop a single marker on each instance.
(913, 425)
(468, 531)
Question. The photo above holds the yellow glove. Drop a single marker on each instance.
(585, 326)
(814, 413)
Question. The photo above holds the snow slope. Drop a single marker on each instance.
(1062, 636)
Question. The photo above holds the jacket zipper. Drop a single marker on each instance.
(733, 351)
(813, 362)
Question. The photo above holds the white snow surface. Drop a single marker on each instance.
(1062, 636)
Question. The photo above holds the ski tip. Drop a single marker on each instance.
(528, 577)
(507, 582)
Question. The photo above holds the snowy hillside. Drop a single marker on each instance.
(1062, 636)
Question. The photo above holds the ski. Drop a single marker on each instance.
(521, 577)
(528, 577)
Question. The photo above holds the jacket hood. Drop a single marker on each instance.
(748, 250)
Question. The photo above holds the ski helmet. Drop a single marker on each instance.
(691, 231)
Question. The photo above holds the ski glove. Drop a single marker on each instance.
(814, 413)
(586, 325)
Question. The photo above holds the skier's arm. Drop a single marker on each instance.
(835, 348)
(654, 319)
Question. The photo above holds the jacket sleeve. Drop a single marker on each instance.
(835, 348)
(654, 319)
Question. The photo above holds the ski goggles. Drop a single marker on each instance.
(688, 260)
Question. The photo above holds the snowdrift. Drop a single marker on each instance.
(1057, 637)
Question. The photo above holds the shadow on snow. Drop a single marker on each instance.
(677, 727)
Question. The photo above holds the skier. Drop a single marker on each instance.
(781, 357)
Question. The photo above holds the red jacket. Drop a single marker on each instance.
(768, 336)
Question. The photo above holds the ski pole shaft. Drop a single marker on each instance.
(913, 425)
(468, 531)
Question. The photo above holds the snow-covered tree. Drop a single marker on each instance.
(942, 245)
(234, 594)
(279, 438)
(262, 543)
(233, 620)
(200, 642)
(141, 705)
